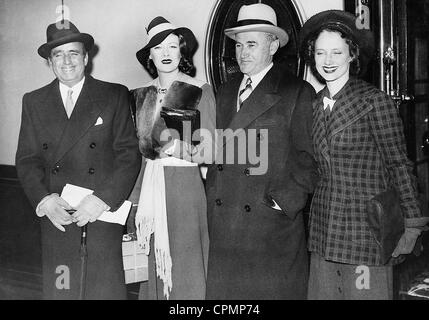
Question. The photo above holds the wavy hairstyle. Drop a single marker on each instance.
(355, 65)
(186, 64)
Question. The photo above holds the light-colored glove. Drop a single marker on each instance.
(54, 207)
(89, 209)
(407, 242)
(180, 149)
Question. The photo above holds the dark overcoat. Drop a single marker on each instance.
(54, 150)
(360, 152)
(257, 252)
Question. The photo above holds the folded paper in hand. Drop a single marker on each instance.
(74, 194)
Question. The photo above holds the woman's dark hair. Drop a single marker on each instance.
(186, 64)
(355, 64)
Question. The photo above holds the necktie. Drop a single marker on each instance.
(328, 104)
(69, 103)
(245, 92)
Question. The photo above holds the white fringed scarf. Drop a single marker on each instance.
(151, 216)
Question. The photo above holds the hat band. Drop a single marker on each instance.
(248, 22)
(159, 28)
(60, 34)
(339, 25)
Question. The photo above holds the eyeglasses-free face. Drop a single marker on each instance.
(166, 55)
(332, 56)
(68, 62)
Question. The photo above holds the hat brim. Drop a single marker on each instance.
(87, 40)
(346, 24)
(278, 32)
(191, 42)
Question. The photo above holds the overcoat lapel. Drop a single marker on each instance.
(346, 112)
(264, 97)
(320, 132)
(84, 116)
(229, 106)
(52, 114)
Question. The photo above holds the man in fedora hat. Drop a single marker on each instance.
(256, 229)
(77, 130)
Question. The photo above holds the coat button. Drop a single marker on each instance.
(218, 202)
(220, 167)
(247, 172)
(92, 145)
(55, 170)
(247, 208)
(91, 171)
(45, 146)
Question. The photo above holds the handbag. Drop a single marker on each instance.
(180, 119)
(386, 222)
(135, 261)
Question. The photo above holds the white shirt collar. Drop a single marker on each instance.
(256, 78)
(77, 88)
(328, 103)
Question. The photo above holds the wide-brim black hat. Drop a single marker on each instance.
(63, 32)
(159, 29)
(341, 21)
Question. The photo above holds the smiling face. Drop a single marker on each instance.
(68, 62)
(166, 55)
(332, 56)
(254, 51)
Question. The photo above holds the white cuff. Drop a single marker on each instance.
(170, 150)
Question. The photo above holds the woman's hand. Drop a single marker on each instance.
(407, 242)
(178, 149)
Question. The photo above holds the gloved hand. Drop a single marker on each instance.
(180, 149)
(407, 242)
(54, 207)
(89, 209)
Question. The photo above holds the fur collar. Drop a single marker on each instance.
(149, 125)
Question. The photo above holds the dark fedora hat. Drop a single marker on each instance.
(159, 29)
(345, 23)
(63, 32)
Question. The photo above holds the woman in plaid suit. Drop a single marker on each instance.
(360, 149)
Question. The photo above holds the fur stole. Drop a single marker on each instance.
(149, 126)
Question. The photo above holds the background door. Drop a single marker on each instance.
(401, 69)
(222, 64)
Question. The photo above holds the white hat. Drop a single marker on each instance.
(258, 17)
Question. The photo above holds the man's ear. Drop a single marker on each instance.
(86, 58)
(274, 46)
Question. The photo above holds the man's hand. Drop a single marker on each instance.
(407, 242)
(54, 207)
(89, 209)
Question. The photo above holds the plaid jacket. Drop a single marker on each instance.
(360, 151)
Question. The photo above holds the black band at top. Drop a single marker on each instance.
(247, 22)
